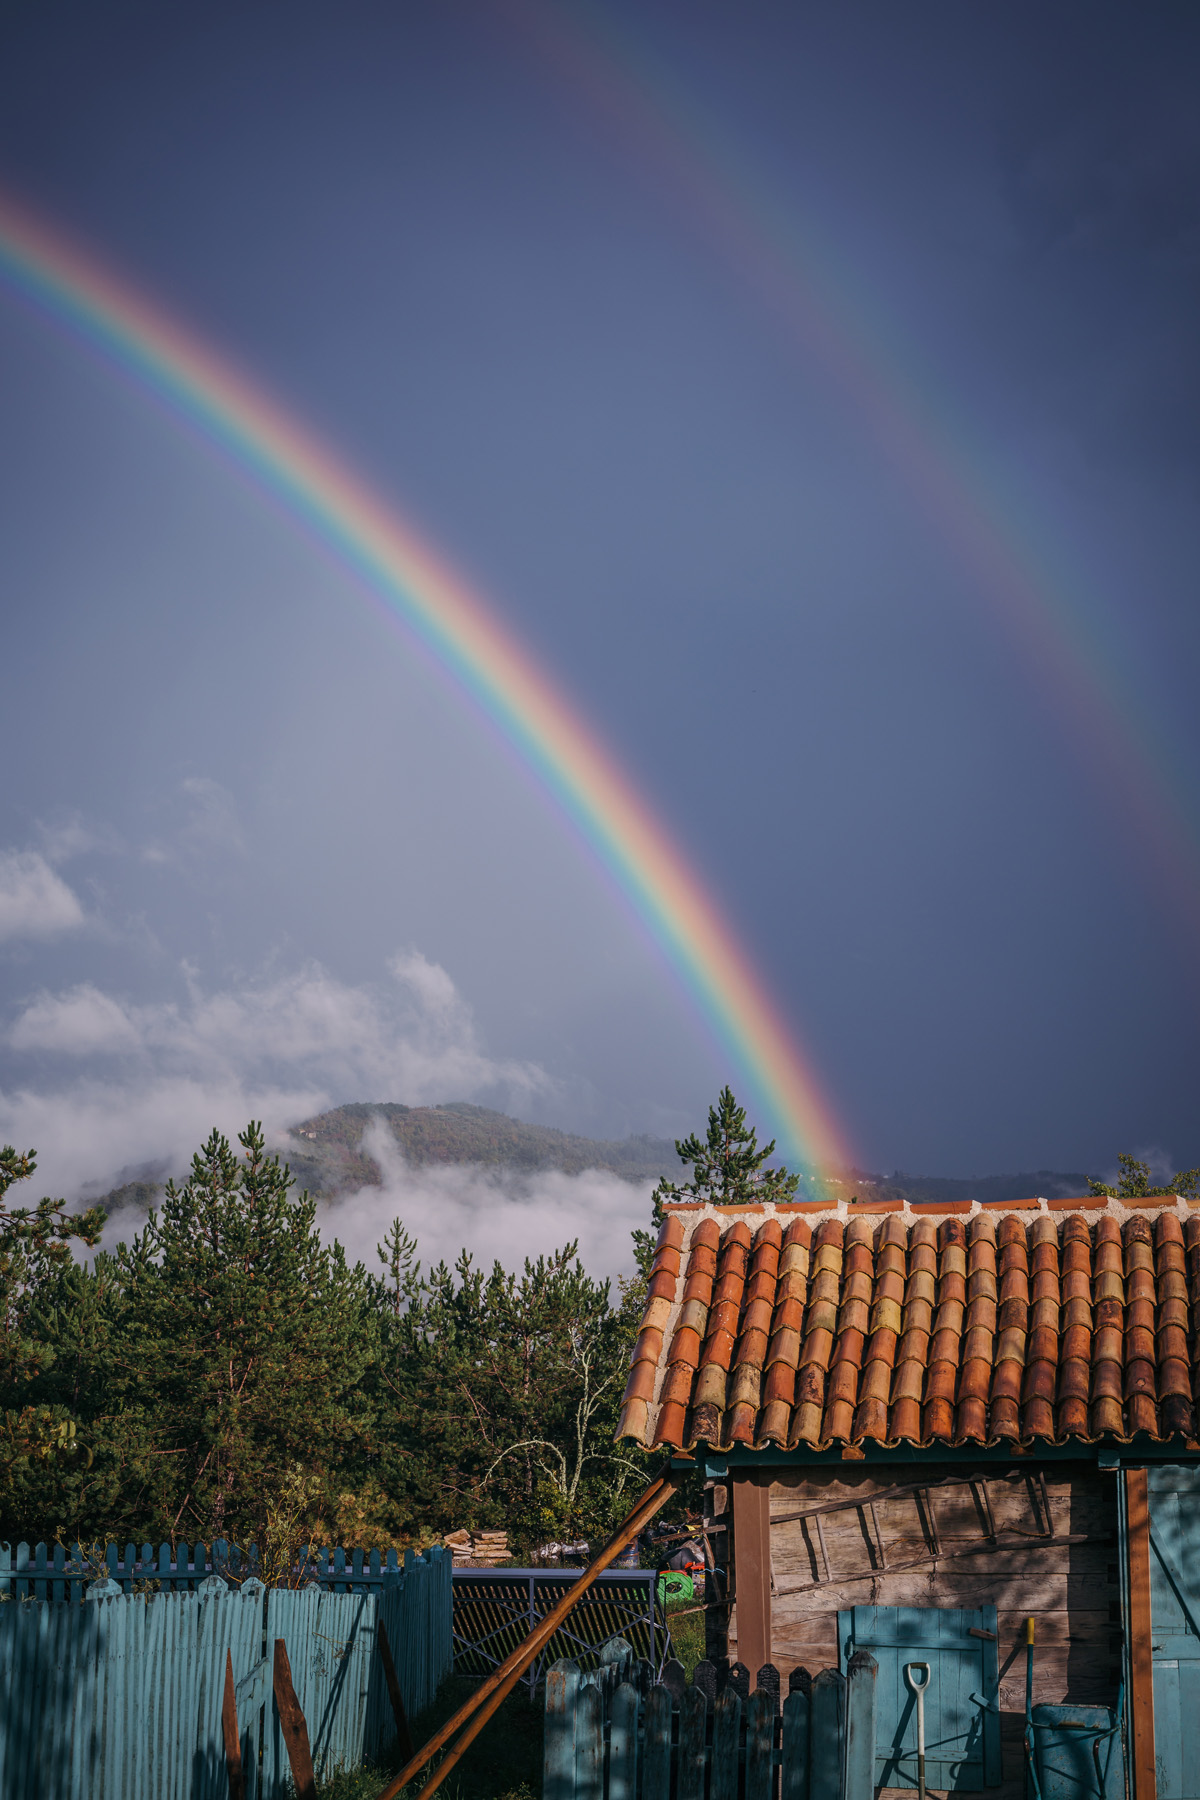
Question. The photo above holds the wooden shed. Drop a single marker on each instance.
(921, 1426)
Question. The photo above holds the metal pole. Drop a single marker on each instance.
(1030, 1747)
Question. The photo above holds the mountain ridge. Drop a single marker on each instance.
(326, 1155)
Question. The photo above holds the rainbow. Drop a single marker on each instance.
(1027, 583)
(420, 588)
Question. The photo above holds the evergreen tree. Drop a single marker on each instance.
(245, 1339)
(1135, 1182)
(727, 1168)
(34, 1250)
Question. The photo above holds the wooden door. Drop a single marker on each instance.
(962, 1705)
(1174, 1504)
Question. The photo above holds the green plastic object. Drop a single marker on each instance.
(675, 1585)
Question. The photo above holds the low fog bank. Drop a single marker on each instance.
(497, 1214)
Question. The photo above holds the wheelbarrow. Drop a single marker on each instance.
(1072, 1752)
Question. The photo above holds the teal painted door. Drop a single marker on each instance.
(1174, 1490)
(962, 1717)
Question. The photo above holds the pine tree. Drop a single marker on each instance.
(246, 1338)
(1135, 1182)
(727, 1168)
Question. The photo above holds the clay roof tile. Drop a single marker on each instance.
(1105, 1349)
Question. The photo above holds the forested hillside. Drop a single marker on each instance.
(327, 1155)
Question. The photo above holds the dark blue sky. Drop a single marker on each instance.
(450, 250)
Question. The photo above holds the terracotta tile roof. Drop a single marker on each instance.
(765, 1326)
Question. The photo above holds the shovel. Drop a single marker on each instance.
(916, 1678)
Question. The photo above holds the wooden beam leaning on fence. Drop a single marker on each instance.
(474, 1714)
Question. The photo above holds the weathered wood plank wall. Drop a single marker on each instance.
(1072, 1590)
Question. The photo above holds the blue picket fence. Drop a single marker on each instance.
(120, 1698)
(64, 1572)
(615, 1733)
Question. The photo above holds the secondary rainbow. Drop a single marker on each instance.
(420, 586)
(604, 62)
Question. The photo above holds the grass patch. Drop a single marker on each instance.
(685, 1619)
(504, 1762)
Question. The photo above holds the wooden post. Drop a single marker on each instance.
(752, 1568)
(295, 1731)
(403, 1734)
(1141, 1661)
(229, 1730)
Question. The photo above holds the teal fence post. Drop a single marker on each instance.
(861, 1673)
(793, 1783)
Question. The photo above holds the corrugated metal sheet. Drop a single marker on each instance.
(120, 1698)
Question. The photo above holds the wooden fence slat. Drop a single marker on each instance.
(404, 1741)
(861, 1673)
(231, 1735)
(693, 1720)
(558, 1752)
(656, 1748)
(295, 1731)
(623, 1744)
(760, 1745)
(589, 1743)
(793, 1783)
(825, 1758)
(727, 1731)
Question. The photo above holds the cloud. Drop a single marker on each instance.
(146, 1083)
(77, 1023)
(34, 901)
(69, 837)
(498, 1215)
(211, 829)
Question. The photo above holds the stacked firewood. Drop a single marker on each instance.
(477, 1549)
